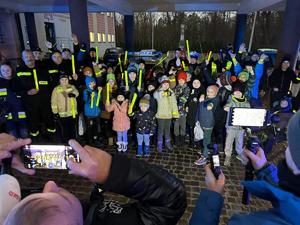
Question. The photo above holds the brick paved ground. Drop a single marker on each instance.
(180, 163)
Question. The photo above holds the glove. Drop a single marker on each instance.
(71, 95)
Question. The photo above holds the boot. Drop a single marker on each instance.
(169, 145)
(120, 146)
(110, 141)
(139, 151)
(159, 146)
(125, 144)
(147, 150)
(182, 140)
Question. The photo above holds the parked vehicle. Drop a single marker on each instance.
(111, 55)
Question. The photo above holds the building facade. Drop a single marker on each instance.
(56, 28)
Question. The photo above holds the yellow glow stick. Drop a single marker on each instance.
(126, 78)
(98, 98)
(107, 93)
(209, 55)
(92, 100)
(188, 47)
(97, 55)
(125, 59)
(36, 82)
(122, 76)
(120, 63)
(73, 107)
(132, 103)
(73, 64)
(140, 79)
(183, 64)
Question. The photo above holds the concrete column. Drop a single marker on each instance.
(129, 23)
(31, 30)
(240, 29)
(290, 33)
(79, 20)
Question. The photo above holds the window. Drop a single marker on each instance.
(108, 38)
(92, 37)
(113, 38)
(108, 14)
(99, 37)
(103, 38)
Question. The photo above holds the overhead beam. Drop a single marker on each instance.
(248, 6)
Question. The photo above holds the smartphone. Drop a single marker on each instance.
(248, 117)
(48, 156)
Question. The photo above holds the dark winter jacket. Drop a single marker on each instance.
(205, 116)
(160, 197)
(182, 94)
(282, 79)
(192, 105)
(145, 122)
(15, 110)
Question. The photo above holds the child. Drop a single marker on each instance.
(166, 110)
(92, 110)
(106, 117)
(145, 126)
(206, 116)
(182, 92)
(235, 133)
(121, 122)
(15, 117)
(197, 92)
(64, 107)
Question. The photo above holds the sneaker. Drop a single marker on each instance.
(227, 161)
(138, 156)
(201, 161)
(244, 160)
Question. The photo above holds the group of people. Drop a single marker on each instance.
(70, 95)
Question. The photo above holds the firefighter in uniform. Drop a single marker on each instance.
(34, 86)
(15, 122)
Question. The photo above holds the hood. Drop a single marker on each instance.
(88, 80)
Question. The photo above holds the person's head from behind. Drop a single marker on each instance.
(54, 206)
(6, 71)
(28, 58)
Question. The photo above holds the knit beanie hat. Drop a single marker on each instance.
(110, 76)
(63, 75)
(293, 138)
(87, 69)
(164, 79)
(133, 67)
(182, 76)
(244, 73)
(144, 101)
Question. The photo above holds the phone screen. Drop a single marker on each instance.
(216, 160)
(248, 117)
(48, 156)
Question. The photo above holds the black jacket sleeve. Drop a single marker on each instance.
(161, 197)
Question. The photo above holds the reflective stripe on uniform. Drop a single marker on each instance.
(21, 115)
(43, 82)
(51, 130)
(34, 134)
(19, 74)
(9, 116)
(82, 50)
(3, 92)
(53, 71)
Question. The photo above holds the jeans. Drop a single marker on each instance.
(206, 140)
(143, 138)
(164, 127)
(180, 126)
(122, 136)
